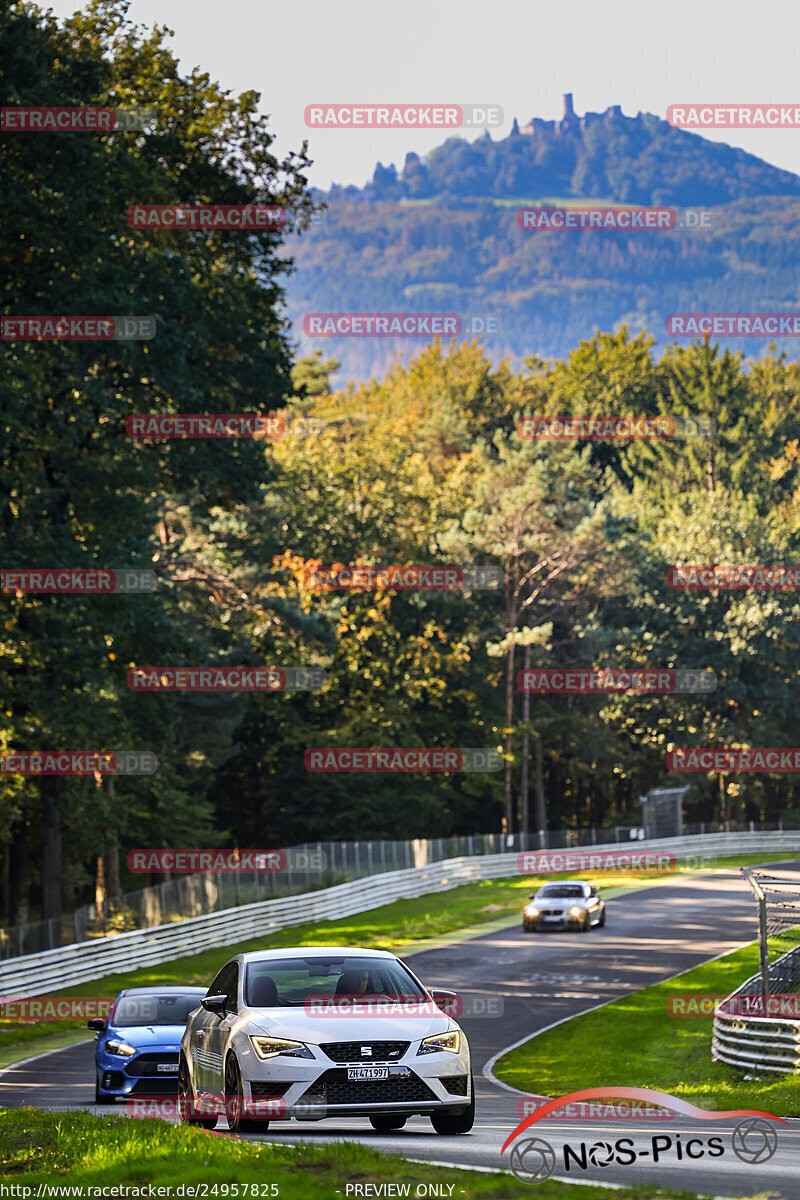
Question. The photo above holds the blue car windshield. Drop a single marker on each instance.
(154, 1010)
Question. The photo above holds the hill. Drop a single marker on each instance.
(442, 236)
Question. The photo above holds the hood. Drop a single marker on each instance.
(299, 1025)
(146, 1036)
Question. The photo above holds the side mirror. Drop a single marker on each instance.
(215, 1004)
(446, 1000)
(533, 895)
(98, 1024)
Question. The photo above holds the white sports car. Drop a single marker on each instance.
(313, 1033)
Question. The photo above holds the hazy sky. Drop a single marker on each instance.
(520, 54)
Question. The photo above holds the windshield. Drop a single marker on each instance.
(154, 1010)
(294, 981)
(560, 891)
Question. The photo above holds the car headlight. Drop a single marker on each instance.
(123, 1048)
(531, 911)
(575, 911)
(268, 1047)
(441, 1041)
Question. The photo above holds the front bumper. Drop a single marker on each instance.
(312, 1089)
(138, 1075)
(563, 922)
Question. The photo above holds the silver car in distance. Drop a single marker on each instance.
(570, 904)
(330, 1032)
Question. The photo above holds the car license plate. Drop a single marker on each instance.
(553, 918)
(367, 1072)
(168, 1068)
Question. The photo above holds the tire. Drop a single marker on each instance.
(460, 1122)
(234, 1102)
(99, 1098)
(387, 1122)
(186, 1101)
(602, 920)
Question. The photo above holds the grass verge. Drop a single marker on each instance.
(103, 1152)
(403, 924)
(672, 1054)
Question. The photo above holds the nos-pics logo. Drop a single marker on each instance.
(533, 1159)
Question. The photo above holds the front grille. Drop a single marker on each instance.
(343, 1052)
(271, 1088)
(552, 912)
(147, 1064)
(166, 1085)
(456, 1085)
(335, 1088)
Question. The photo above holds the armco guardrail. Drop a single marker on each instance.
(758, 1025)
(766, 1041)
(35, 974)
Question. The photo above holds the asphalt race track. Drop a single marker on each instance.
(649, 936)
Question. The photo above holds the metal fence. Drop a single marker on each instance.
(765, 1035)
(187, 896)
(181, 898)
(35, 974)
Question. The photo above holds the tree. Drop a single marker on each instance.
(80, 492)
(531, 512)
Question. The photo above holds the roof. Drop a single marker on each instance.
(314, 952)
(169, 989)
(559, 882)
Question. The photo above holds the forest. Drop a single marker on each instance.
(422, 465)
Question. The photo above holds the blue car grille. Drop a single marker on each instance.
(147, 1064)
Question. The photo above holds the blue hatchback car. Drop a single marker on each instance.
(137, 1048)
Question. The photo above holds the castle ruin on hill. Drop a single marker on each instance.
(570, 122)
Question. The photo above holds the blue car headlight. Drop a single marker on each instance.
(123, 1048)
